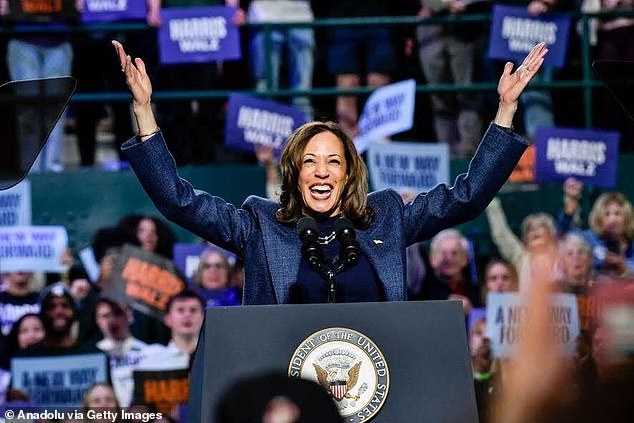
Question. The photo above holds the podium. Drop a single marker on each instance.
(418, 349)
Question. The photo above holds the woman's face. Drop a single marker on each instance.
(499, 278)
(537, 235)
(31, 332)
(101, 397)
(147, 235)
(613, 220)
(322, 177)
(214, 272)
(576, 261)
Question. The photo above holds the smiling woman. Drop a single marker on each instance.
(324, 177)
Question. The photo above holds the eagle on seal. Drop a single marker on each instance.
(339, 387)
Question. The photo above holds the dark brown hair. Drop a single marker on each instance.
(354, 198)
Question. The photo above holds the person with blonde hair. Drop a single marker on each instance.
(212, 279)
(575, 263)
(539, 238)
(611, 232)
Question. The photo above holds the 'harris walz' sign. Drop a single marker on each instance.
(143, 280)
(198, 35)
(590, 156)
(41, 10)
(113, 10)
(514, 33)
(252, 120)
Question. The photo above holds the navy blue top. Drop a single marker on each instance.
(358, 283)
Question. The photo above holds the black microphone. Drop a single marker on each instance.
(308, 234)
(347, 237)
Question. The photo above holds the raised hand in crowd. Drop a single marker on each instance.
(573, 189)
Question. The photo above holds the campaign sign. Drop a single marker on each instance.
(41, 11)
(589, 155)
(408, 166)
(589, 310)
(32, 248)
(507, 316)
(187, 256)
(198, 35)
(58, 381)
(113, 10)
(514, 33)
(525, 169)
(251, 120)
(15, 205)
(388, 111)
(144, 280)
(165, 389)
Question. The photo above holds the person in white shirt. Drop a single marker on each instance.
(124, 351)
(184, 317)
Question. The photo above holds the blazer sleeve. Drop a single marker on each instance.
(443, 206)
(208, 216)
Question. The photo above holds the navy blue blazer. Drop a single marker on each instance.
(271, 251)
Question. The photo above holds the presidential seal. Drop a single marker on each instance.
(349, 366)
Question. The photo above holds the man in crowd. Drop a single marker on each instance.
(124, 350)
(448, 261)
(184, 317)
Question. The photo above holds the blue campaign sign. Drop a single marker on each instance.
(113, 10)
(588, 155)
(251, 120)
(58, 381)
(198, 35)
(514, 33)
(408, 166)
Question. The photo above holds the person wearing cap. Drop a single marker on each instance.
(124, 350)
(59, 314)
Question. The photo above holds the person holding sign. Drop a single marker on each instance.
(324, 178)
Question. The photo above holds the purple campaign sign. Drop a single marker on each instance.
(251, 120)
(198, 35)
(514, 33)
(590, 156)
(113, 10)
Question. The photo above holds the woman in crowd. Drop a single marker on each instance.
(99, 398)
(26, 331)
(324, 177)
(611, 230)
(212, 279)
(575, 263)
(499, 276)
(539, 238)
(151, 234)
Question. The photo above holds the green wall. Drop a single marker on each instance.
(86, 200)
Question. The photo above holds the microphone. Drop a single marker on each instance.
(346, 235)
(308, 233)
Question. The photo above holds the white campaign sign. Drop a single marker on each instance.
(32, 248)
(388, 111)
